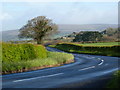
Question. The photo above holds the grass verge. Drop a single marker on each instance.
(114, 83)
(53, 59)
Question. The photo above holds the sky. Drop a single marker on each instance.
(14, 15)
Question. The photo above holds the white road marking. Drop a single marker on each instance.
(101, 62)
(92, 57)
(99, 58)
(106, 64)
(38, 77)
(86, 68)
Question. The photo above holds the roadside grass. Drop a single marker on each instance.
(53, 58)
(97, 49)
(114, 83)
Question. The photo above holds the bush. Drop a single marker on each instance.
(18, 52)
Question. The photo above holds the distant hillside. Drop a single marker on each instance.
(11, 35)
(86, 27)
(64, 30)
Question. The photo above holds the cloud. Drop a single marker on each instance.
(15, 15)
(5, 16)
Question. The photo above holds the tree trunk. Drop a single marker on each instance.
(39, 41)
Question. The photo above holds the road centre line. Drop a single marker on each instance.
(92, 66)
(106, 64)
(99, 58)
(38, 77)
(86, 68)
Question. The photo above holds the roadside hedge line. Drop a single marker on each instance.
(18, 52)
(99, 50)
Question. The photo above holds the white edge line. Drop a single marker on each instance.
(38, 77)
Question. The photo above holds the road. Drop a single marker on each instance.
(87, 71)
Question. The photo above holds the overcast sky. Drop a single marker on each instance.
(15, 14)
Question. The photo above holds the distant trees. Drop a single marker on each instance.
(88, 36)
(72, 35)
(38, 28)
(110, 31)
(111, 34)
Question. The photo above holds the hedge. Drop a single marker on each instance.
(99, 50)
(18, 52)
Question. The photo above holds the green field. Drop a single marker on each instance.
(93, 44)
(100, 44)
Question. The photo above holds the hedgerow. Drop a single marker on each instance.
(18, 52)
(99, 50)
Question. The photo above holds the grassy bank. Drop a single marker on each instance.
(26, 57)
(114, 83)
(92, 48)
